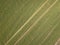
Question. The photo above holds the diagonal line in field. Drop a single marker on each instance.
(52, 28)
(35, 22)
(57, 42)
(49, 34)
(16, 11)
(20, 18)
(45, 31)
(40, 27)
(26, 22)
(39, 37)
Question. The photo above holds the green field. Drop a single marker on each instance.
(29, 22)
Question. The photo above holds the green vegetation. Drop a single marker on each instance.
(18, 26)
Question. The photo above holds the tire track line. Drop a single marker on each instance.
(36, 22)
(52, 28)
(49, 34)
(26, 22)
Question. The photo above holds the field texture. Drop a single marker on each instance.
(29, 22)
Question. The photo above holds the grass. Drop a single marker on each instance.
(14, 14)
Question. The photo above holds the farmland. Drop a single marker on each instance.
(29, 22)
